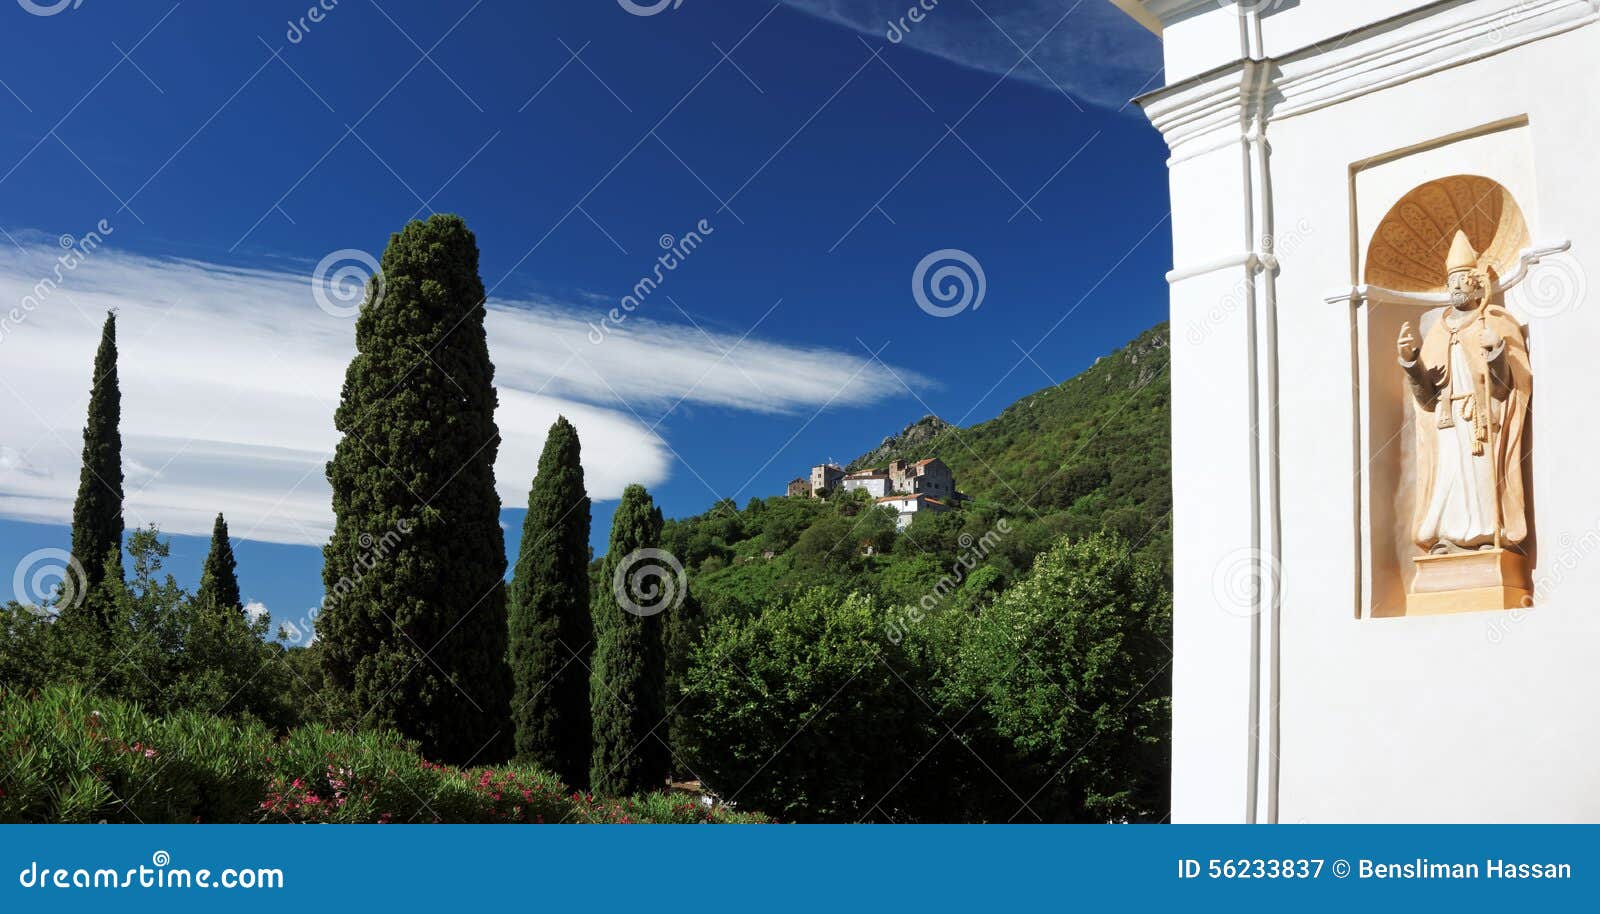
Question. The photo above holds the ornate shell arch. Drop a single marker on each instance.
(1408, 250)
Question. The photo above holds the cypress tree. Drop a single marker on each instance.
(97, 513)
(414, 617)
(219, 577)
(628, 686)
(551, 633)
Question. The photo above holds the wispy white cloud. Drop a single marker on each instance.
(230, 377)
(1096, 53)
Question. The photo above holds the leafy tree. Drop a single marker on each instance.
(97, 513)
(796, 712)
(219, 578)
(157, 646)
(628, 689)
(416, 621)
(552, 636)
(1072, 666)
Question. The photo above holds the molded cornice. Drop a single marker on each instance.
(1216, 108)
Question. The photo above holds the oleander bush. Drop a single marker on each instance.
(67, 755)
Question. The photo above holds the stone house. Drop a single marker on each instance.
(923, 477)
(827, 477)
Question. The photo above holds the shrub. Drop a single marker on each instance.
(67, 755)
(72, 757)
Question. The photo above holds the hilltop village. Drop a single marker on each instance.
(908, 487)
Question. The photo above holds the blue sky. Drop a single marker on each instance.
(218, 155)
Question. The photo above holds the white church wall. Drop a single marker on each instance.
(1213, 635)
(1475, 716)
(1468, 717)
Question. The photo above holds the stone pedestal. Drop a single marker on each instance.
(1469, 582)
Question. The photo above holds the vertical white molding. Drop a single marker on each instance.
(1266, 537)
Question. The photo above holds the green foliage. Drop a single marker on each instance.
(158, 646)
(219, 576)
(97, 512)
(628, 687)
(1072, 665)
(419, 643)
(72, 756)
(552, 636)
(796, 710)
(67, 755)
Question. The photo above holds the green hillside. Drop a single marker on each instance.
(1006, 661)
(1094, 447)
(1087, 455)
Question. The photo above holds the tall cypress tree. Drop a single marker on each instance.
(97, 513)
(551, 632)
(415, 616)
(628, 686)
(219, 577)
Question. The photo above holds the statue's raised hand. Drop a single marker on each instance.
(1406, 344)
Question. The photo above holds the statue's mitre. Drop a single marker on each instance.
(1462, 256)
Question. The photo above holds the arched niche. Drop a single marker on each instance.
(1405, 278)
(1408, 249)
